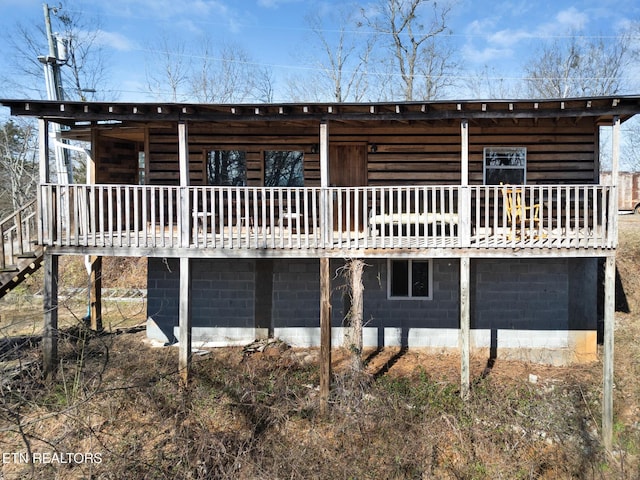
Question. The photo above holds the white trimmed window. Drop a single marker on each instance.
(505, 165)
(409, 279)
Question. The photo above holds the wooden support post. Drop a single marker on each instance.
(50, 330)
(464, 199)
(43, 150)
(95, 280)
(608, 344)
(183, 160)
(325, 335)
(465, 329)
(615, 169)
(184, 332)
(325, 199)
(610, 295)
(44, 171)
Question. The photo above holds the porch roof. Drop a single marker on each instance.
(78, 114)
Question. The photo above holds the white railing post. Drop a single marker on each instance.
(569, 216)
(613, 196)
(324, 184)
(464, 198)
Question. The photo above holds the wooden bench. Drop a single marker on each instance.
(429, 223)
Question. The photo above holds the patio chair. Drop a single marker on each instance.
(523, 221)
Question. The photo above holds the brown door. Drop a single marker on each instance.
(348, 168)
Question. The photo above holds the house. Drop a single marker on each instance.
(481, 222)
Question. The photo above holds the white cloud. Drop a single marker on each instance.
(165, 9)
(275, 3)
(499, 36)
(485, 55)
(115, 40)
(571, 19)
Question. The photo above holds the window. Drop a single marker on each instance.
(283, 169)
(226, 168)
(505, 164)
(409, 279)
(141, 168)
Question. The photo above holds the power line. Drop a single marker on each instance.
(529, 35)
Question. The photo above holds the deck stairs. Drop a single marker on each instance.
(20, 255)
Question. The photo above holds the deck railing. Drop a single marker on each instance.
(18, 234)
(249, 218)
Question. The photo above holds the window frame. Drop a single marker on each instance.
(287, 151)
(207, 160)
(410, 262)
(486, 167)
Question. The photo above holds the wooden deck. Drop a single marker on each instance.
(288, 243)
(245, 221)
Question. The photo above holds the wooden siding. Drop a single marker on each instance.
(163, 152)
(116, 160)
(562, 151)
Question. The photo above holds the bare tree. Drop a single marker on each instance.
(353, 340)
(18, 165)
(264, 85)
(489, 83)
(85, 60)
(83, 70)
(225, 74)
(340, 67)
(168, 72)
(415, 44)
(578, 66)
(215, 74)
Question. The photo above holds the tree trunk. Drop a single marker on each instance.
(353, 334)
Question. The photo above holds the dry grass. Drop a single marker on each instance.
(21, 309)
(257, 416)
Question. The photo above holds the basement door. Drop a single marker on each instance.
(347, 168)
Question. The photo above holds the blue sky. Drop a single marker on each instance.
(495, 33)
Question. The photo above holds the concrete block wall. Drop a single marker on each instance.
(520, 294)
(549, 296)
(296, 293)
(442, 311)
(222, 294)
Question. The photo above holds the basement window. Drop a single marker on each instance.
(505, 165)
(409, 279)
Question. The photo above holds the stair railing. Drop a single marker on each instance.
(17, 232)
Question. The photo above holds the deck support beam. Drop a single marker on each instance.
(465, 325)
(50, 330)
(325, 334)
(184, 309)
(610, 296)
(184, 319)
(94, 263)
(608, 347)
(95, 292)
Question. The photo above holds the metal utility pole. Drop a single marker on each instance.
(52, 63)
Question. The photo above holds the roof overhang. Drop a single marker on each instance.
(76, 114)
